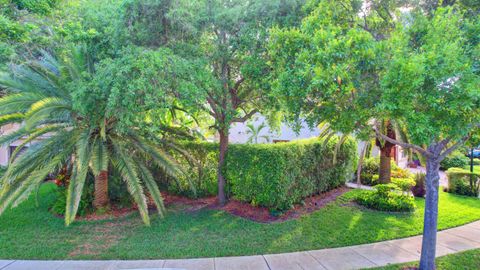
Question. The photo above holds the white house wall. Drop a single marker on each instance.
(238, 131)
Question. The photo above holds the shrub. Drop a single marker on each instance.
(279, 175)
(463, 182)
(419, 189)
(398, 172)
(370, 168)
(476, 161)
(456, 159)
(386, 198)
(84, 206)
(271, 175)
(405, 184)
(200, 171)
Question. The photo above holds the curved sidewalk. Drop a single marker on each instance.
(354, 257)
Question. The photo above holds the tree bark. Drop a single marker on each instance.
(385, 170)
(222, 198)
(360, 163)
(429, 242)
(101, 199)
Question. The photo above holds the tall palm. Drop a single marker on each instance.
(39, 101)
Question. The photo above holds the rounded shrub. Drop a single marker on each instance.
(456, 159)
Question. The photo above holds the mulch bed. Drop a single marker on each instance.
(255, 213)
(234, 207)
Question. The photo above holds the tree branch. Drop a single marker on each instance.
(245, 117)
(402, 144)
(453, 147)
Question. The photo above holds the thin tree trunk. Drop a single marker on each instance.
(429, 242)
(101, 199)
(222, 199)
(360, 163)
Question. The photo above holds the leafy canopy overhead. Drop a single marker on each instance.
(424, 75)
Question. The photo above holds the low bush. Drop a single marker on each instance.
(419, 189)
(463, 182)
(456, 159)
(476, 161)
(371, 167)
(386, 197)
(270, 175)
(405, 184)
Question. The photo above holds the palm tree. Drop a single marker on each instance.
(39, 101)
(255, 133)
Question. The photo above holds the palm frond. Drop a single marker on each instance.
(79, 174)
(43, 109)
(11, 118)
(162, 159)
(152, 187)
(126, 166)
(34, 135)
(100, 157)
(18, 103)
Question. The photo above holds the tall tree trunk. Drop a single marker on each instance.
(101, 190)
(429, 242)
(222, 198)
(385, 169)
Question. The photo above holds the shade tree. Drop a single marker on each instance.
(424, 76)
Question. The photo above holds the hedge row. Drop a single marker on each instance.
(271, 175)
(463, 182)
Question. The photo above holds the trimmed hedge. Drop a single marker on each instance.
(463, 182)
(270, 175)
(279, 175)
(456, 159)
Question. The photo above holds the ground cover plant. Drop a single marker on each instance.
(387, 197)
(208, 233)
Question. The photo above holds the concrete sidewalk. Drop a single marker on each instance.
(354, 257)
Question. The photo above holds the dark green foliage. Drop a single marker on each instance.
(200, 171)
(271, 175)
(370, 168)
(463, 182)
(457, 159)
(84, 206)
(419, 189)
(386, 198)
(279, 175)
(36, 6)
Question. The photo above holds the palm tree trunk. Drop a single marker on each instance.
(385, 170)
(222, 198)
(101, 199)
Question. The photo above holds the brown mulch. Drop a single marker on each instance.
(256, 213)
(234, 207)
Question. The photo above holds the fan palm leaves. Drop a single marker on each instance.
(40, 104)
(255, 133)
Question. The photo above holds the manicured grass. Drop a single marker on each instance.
(468, 260)
(28, 232)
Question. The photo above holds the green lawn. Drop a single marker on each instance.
(28, 232)
(468, 260)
